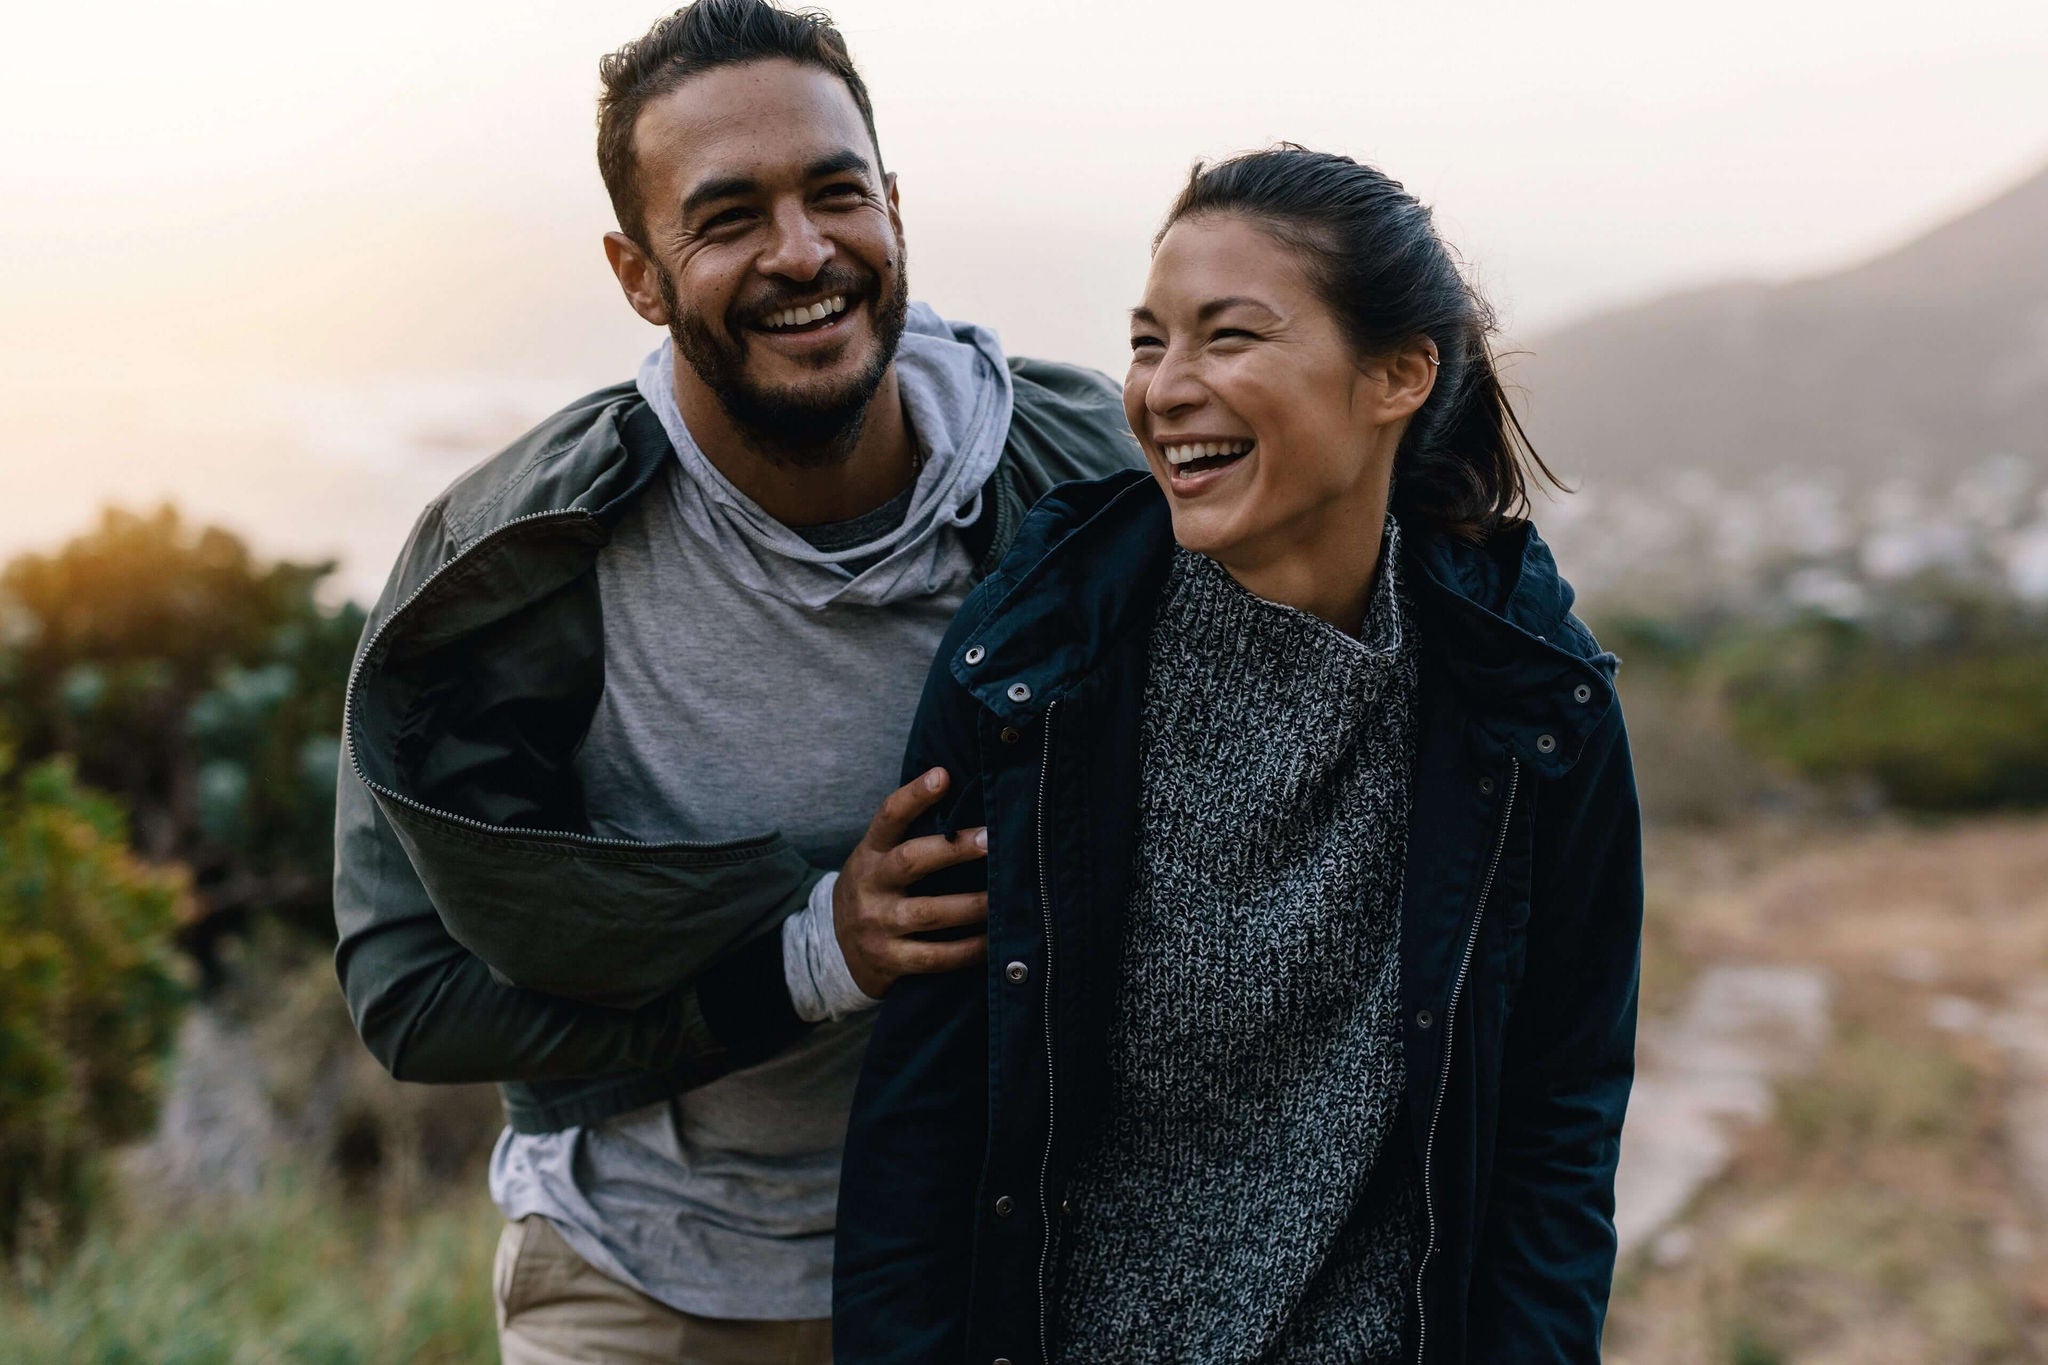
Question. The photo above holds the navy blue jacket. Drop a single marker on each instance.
(1521, 923)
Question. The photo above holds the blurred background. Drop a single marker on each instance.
(1775, 280)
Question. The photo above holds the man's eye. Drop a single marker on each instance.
(726, 219)
(1237, 333)
(848, 190)
(1139, 343)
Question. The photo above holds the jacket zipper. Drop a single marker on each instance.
(1507, 810)
(1045, 975)
(544, 835)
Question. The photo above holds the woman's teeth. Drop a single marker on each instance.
(1204, 450)
(802, 317)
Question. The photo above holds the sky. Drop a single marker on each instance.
(295, 267)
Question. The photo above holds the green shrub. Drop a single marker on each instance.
(90, 994)
(200, 684)
(1936, 701)
(1934, 729)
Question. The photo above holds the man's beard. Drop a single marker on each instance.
(801, 427)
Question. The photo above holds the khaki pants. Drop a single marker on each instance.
(554, 1309)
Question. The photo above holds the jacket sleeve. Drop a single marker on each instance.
(430, 1010)
(1544, 1259)
(914, 1145)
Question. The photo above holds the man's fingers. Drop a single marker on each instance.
(900, 808)
(923, 914)
(915, 859)
(915, 957)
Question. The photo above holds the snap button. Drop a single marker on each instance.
(1011, 734)
(1423, 1018)
(975, 654)
(1019, 692)
(1486, 786)
(1546, 744)
(1002, 1360)
(1065, 1208)
(1005, 1206)
(1017, 971)
(1582, 694)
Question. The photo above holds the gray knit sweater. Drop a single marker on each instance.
(1249, 1197)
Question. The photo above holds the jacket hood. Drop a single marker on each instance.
(1087, 565)
(958, 393)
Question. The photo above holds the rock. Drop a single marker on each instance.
(1704, 1074)
(2010, 1242)
(1672, 1247)
(1955, 1014)
(216, 1130)
(2021, 1030)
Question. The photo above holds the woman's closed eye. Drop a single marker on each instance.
(1230, 334)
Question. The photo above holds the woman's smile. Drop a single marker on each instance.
(1197, 464)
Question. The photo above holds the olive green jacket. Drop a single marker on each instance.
(485, 934)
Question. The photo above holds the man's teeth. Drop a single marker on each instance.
(797, 317)
(1203, 450)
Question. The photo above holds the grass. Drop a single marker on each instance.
(295, 1274)
(1879, 1218)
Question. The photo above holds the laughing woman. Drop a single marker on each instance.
(1314, 865)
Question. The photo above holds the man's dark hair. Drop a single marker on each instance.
(698, 38)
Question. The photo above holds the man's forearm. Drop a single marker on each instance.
(446, 1019)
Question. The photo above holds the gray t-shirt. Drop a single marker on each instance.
(725, 714)
(738, 701)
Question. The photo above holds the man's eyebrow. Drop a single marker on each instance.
(1143, 315)
(735, 186)
(838, 163)
(720, 187)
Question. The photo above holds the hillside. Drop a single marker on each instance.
(1930, 356)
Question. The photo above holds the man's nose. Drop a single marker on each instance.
(798, 250)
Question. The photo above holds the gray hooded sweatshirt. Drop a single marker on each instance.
(757, 678)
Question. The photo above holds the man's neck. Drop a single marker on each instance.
(882, 463)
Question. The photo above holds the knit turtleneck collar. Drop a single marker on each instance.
(1386, 610)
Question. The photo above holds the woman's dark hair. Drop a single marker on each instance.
(695, 39)
(1373, 254)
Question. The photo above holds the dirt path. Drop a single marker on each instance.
(1837, 1149)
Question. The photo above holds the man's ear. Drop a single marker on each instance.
(639, 277)
(895, 205)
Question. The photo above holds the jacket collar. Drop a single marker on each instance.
(1087, 568)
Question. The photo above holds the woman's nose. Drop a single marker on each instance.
(1173, 387)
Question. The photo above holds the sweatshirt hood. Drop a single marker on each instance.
(956, 389)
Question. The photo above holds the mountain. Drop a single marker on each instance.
(1931, 356)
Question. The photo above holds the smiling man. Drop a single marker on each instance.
(685, 613)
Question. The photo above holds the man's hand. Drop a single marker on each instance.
(875, 920)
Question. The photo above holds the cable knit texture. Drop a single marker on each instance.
(1248, 1197)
